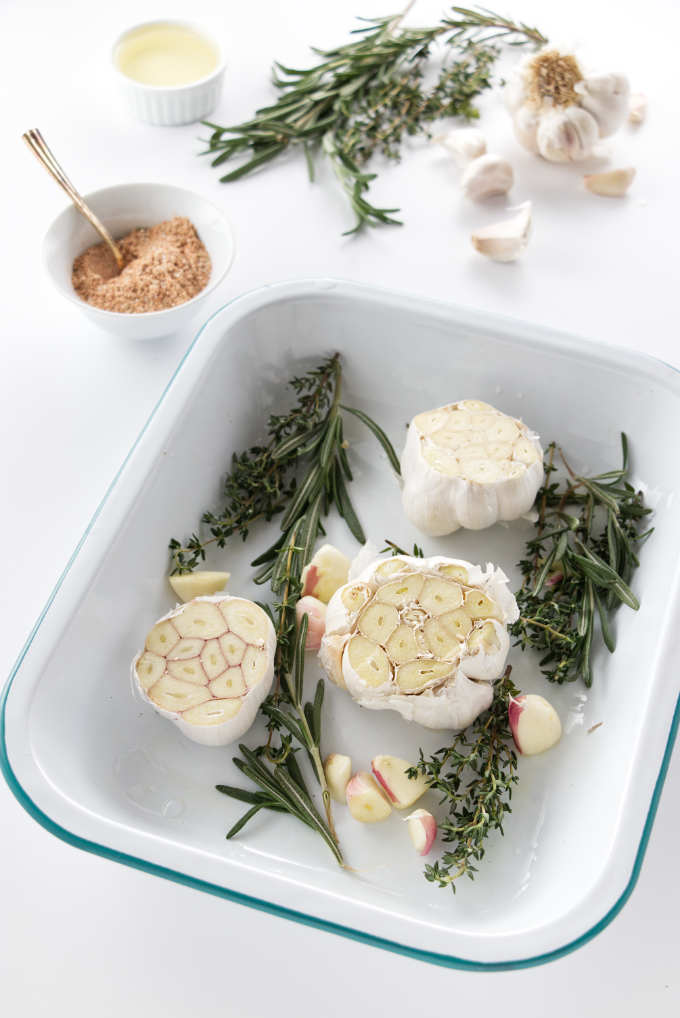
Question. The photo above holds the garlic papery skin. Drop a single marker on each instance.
(505, 241)
(637, 108)
(424, 637)
(464, 144)
(207, 666)
(610, 183)
(558, 110)
(486, 176)
(468, 465)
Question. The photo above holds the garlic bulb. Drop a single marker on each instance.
(207, 666)
(468, 465)
(505, 241)
(559, 111)
(486, 176)
(424, 637)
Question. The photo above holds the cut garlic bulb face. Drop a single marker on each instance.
(468, 465)
(207, 666)
(423, 637)
(559, 111)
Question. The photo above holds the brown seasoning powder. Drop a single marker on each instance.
(165, 265)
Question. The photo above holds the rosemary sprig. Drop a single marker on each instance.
(474, 776)
(579, 566)
(364, 97)
(301, 471)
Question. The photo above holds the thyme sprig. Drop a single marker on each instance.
(474, 777)
(579, 566)
(364, 97)
(301, 471)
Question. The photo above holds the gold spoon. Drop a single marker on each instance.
(42, 152)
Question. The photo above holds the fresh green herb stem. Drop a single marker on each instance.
(474, 777)
(366, 96)
(300, 472)
(578, 567)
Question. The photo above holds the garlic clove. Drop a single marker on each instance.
(611, 183)
(505, 241)
(486, 176)
(464, 144)
(566, 135)
(525, 123)
(605, 97)
(637, 108)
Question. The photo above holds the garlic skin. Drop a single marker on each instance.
(559, 112)
(486, 176)
(505, 241)
(637, 109)
(468, 465)
(382, 627)
(464, 144)
(229, 670)
(610, 183)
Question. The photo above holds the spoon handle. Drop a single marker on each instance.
(43, 153)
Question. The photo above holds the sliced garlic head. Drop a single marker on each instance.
(208, 666)
(468, 465)
(426, 638)
(558, 110)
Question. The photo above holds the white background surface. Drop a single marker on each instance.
(79, 935)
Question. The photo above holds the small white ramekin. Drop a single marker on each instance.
(123, 208)
(173, 105)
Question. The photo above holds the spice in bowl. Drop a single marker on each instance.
(165, 265)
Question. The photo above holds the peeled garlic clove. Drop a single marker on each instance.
(196, 584)
(611, 183)
(637, 109)
(422, 653)
(505, 241)
(605, 97)
(464, 144)
(315, 611)
(208, 666)
(486, 176)
(566, 135)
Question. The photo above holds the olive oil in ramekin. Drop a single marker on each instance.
(166, 55)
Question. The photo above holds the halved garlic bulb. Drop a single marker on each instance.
(424, 637)
(207, 666)
(468, 465)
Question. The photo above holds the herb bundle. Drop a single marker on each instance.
(364, 97)
(579, 566)
(474, 776)
(301, 471)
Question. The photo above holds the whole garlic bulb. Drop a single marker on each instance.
(559, 111)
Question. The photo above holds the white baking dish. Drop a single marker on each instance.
(107, 774)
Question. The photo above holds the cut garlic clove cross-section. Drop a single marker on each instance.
(378, 621)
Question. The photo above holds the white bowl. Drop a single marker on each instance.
(170, 105)
(123, 208)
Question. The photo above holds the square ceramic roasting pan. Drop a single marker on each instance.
(107, 774)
